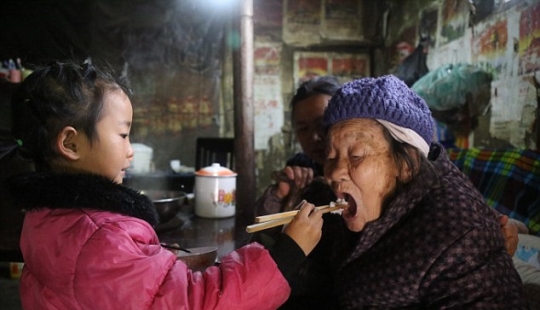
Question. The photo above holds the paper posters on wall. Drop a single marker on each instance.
(301, 22)
(268, 103)
(310, 22)
(345, 66)
(350, 66)
(457, 51)
(308, 65)
(529, 40)
(454, 19)
(268, 20)
(342, 20)
(267, 58)
(490, 42)
(513, 106)
(268, 109)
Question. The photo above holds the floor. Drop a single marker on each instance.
(9, 294)
(9, 290)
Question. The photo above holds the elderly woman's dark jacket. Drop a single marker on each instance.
(437, 245)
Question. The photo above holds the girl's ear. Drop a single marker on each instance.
(66, 143)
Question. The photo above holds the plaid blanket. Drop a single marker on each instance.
(508, 179)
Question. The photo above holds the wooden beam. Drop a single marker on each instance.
(537, 121)
(243, 120)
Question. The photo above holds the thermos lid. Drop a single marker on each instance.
(215, 170)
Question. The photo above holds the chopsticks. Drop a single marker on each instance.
(278, 219)
(174, 247)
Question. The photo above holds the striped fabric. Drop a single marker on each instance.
(509, 180)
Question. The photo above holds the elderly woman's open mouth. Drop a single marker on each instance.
(352, 208)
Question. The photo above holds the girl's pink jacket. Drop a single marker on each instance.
(81, 259)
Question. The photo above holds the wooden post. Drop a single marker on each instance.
(243, 122)
(537, 121)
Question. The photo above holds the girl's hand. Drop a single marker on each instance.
(305, 228)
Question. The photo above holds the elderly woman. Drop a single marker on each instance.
(416, 233)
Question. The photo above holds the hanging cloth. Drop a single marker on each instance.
(413, 67)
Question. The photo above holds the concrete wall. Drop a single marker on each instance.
(284, 34)
(502, 37)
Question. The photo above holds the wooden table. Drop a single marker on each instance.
(189, 230)
(186, 229)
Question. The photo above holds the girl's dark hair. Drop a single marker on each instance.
(319, 85)
(55, 96)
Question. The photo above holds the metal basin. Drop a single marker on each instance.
(167, 203)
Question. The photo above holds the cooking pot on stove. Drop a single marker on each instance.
(167, 203)
(215, 192)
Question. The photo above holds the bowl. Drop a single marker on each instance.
(200, 258)
(167, 203)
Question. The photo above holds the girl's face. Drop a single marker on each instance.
(307, 122)
(360, 168)
(110, 153)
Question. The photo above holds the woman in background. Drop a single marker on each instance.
(295, 181)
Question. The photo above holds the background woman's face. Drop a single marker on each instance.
(307, 122)
(360, 168)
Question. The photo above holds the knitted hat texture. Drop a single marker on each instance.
(386, 98)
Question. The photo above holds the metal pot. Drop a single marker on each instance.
(215, 192)
(167, 203)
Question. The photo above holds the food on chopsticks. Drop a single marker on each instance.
(278, 219)
(341, 203)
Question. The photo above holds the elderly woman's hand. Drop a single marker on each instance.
(305, 228)
(510, 231)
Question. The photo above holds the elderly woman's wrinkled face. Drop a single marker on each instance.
(360, 169)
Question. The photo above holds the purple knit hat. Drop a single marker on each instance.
(386, 98)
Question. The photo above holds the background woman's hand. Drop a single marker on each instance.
(292, 178)
(305, 228)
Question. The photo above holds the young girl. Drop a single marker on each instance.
(88, 241)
